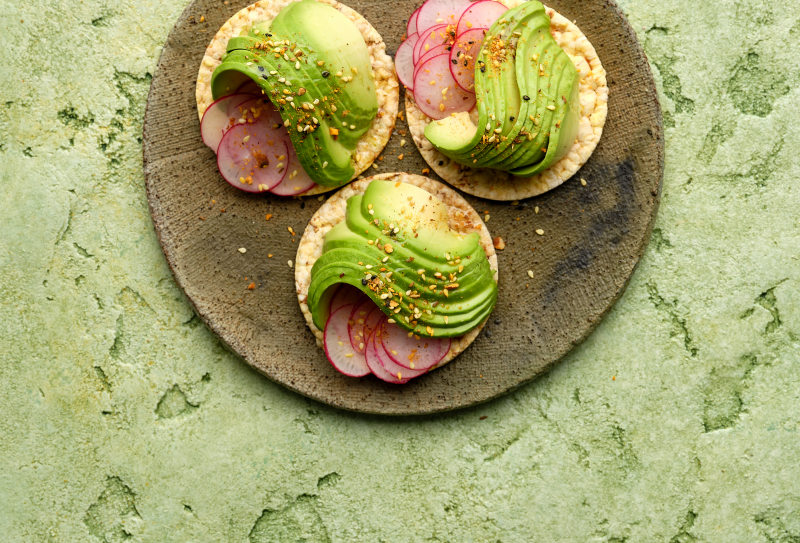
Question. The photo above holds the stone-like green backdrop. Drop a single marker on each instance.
(122, 418)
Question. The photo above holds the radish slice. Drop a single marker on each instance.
(337, 345)
(481, 14)
(375, 355)
(437, 12)
(216, 120)
(394, 369)
(411, 27)
(345, 295)
(431, 38)
(404, 61)
(296, 180)
(355, 324)
(463, 55)
(409, 352)
(443, 97)
(260, 109)
(438, 50)
(243, 97)
(248, 156)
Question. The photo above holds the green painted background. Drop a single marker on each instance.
(123, 419)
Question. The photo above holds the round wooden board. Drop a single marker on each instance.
(594, 234)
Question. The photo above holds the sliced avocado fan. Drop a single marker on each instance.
(527, 100)
(313, 64)
(395, 246)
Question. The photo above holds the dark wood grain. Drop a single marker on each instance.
(594, 235)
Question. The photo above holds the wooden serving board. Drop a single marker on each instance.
(594, 234)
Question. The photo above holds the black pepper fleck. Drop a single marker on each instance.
(441, 163)
(454, 61)
(260, 68)
(326, 73)
(488, 333)
(364, 282)
(526, 97)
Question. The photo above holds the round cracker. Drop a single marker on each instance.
(373, 141)
(462, 219)
(500, 185)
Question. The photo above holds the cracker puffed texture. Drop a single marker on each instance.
(500, 185)
(387, 87)
(462, 219)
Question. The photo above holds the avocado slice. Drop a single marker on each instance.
(395, 245)
(313, 64)
(527, 99)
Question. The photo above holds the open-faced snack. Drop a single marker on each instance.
(505, 99)
(311, 82)
(396, 275)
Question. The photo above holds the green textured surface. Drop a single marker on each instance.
(123, 418)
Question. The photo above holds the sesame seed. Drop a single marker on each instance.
(536, 209)
(583, 181)
(290, 263)
(530, 274)
(349, 355)
(297, 65)
(486, 218)
(242, 250)
(551, 108)
(540, 232)
(247, 138)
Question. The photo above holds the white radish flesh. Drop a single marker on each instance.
(404, 61)
(436, 51)
(340, 353)
(355, 324)
(375, 356)
(413, 352)
(435, 91)
(389, 364)
(480, 14)
(436, 12)
(463, 56)
(248, 157)
(431, 38)
(296, 181)
(216, 120)
(411, 26)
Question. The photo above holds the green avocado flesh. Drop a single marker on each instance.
(395, 246)
(527, 100)
(313, 64)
